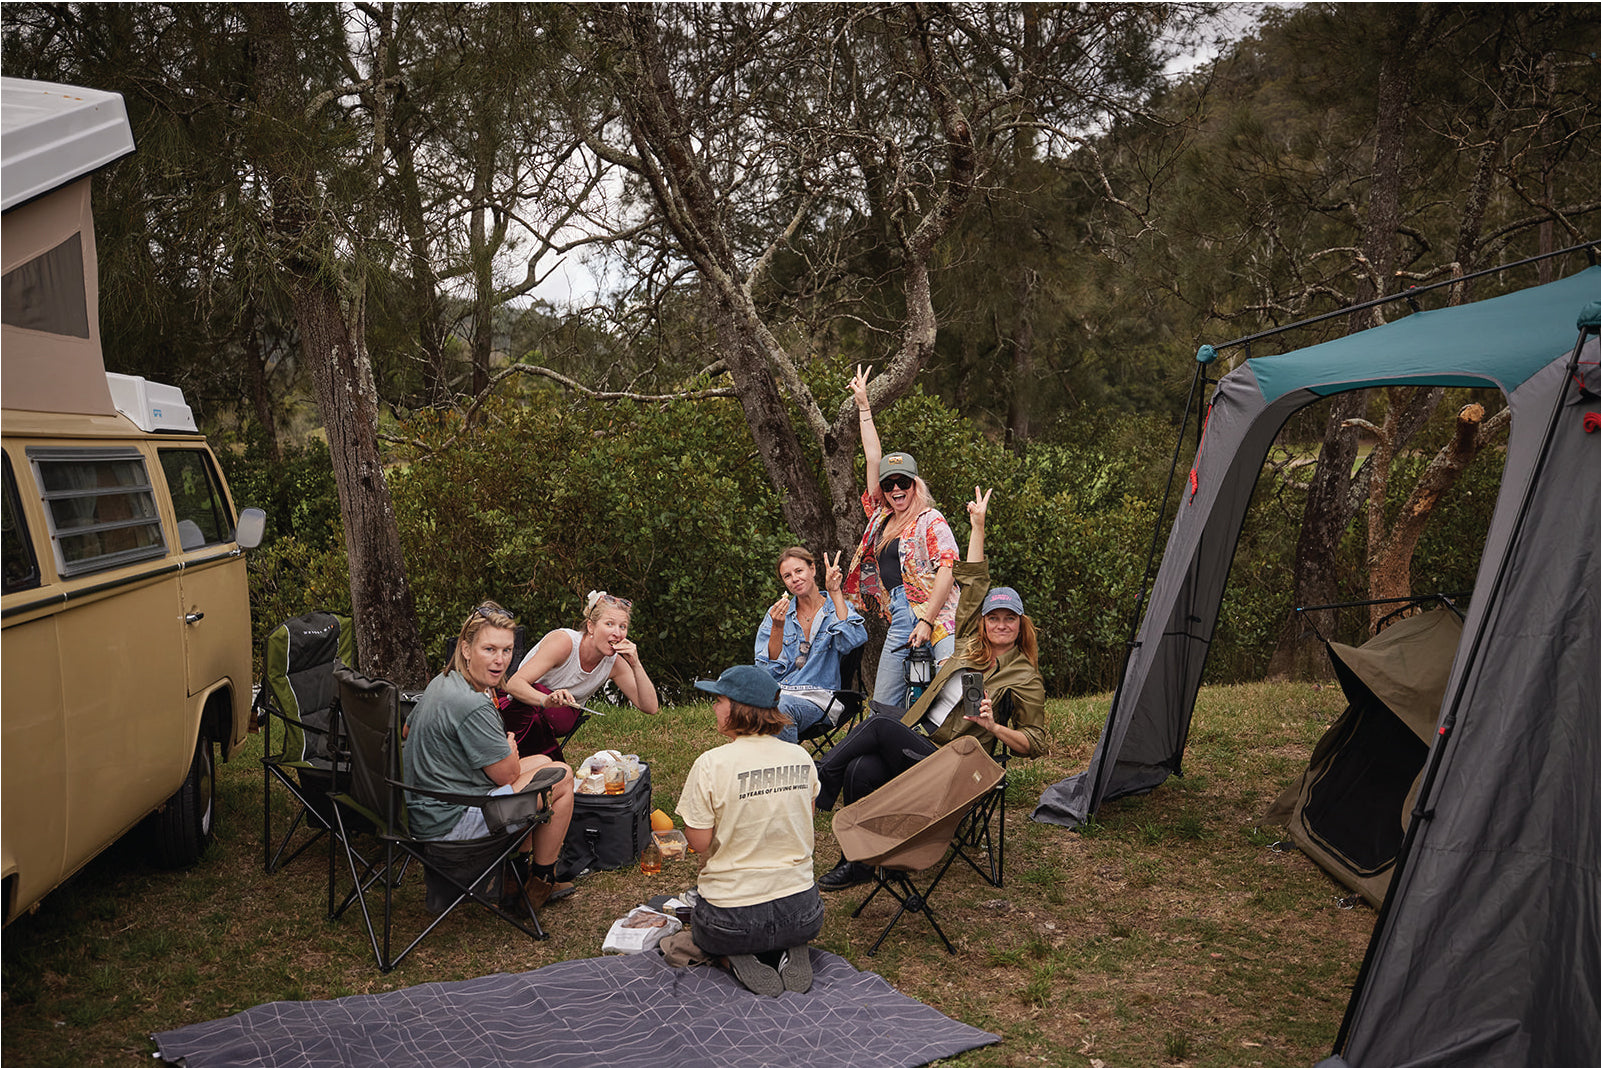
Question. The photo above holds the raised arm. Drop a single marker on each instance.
(629, 675)
(871, 449)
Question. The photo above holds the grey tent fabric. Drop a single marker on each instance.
(1488, 948)
(616, 1012)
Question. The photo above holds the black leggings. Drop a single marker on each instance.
(870, 756)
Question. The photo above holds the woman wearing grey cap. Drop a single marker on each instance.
(905, 562)
(997, 640)
(747, 810)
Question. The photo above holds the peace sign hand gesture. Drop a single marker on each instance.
(978, 507)
(833, 577)
(859, 388)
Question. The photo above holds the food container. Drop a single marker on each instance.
(673, 844)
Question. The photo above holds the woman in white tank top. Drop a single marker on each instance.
(568, 666)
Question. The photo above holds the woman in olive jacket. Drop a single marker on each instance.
(993, 637)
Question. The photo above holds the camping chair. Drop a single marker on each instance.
(911, 822)
(844, 709)
(368, 723)
(297, 690)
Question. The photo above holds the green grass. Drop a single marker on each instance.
(1165, 932)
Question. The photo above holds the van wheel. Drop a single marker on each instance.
(183, 826)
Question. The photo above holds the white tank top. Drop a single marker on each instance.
(569, 675)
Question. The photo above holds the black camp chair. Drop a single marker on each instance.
(845, 707)
(297, 692)
(374, 793)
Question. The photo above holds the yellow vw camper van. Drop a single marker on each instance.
(126, 616)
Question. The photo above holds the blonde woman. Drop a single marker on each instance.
(455, 742)
(905, 564)
(567, 666)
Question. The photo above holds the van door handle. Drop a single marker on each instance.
(194, 617)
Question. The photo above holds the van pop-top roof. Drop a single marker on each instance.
(53, 134)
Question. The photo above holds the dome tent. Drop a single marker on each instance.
(1488, 947)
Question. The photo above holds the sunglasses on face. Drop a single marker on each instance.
(897, 482)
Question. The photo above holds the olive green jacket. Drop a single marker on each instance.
(1011, 674)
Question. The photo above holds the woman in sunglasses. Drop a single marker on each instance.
(905, 560)
(802, 639)
(567, 666)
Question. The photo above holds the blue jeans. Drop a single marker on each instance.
(889, 688)
(783, 923)
(802, 714)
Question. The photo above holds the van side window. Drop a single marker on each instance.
(16, 551)
(101, 507)
(47, 292)
(197, 498)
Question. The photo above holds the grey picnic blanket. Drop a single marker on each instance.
(614, 1012)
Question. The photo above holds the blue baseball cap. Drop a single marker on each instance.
(1003, 597)
(745, 683)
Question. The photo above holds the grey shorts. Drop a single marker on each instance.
(471, 825)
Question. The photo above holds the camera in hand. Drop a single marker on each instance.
(972, 692)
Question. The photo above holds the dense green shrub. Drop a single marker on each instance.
(666, 505)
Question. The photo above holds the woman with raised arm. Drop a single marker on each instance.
(800, 641)
(995, 639)
(567, 666)
(904, 564)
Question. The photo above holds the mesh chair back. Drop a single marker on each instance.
(369, 711)
(909, 822)
(298, 665)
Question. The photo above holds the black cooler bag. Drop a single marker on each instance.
(608, 830)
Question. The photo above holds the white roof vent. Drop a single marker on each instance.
(151, 405)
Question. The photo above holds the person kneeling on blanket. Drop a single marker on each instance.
(747, 810)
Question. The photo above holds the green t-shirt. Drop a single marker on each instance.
(455, 733)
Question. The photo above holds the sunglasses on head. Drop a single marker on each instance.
(620, 602)
(897, 482)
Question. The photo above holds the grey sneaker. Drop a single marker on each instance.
(796, 969)
(755, 976)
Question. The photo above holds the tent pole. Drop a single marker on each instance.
(1409, 295)
(1420, 810)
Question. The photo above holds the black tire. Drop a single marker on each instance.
(183, 827)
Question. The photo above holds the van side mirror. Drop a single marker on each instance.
(252, 525)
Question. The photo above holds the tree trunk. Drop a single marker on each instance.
(1330, 502)
(334, 348)
(1390, 566)
(260, 394)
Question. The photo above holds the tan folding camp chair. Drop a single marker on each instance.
(910, 823)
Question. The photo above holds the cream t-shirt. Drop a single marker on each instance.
(756, 794)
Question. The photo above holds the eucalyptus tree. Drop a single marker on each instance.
(798, 171)
(319, 112)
